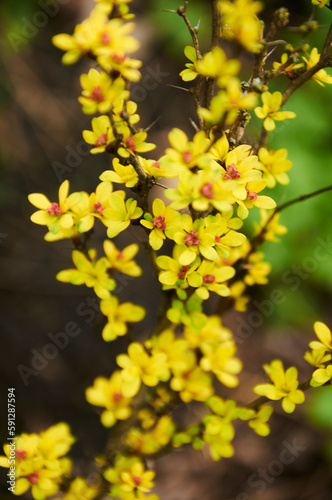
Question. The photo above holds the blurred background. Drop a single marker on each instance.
(41, 145)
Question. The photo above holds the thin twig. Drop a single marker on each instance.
(260, 237)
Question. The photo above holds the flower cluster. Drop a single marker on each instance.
(40, 464)
(197, 240)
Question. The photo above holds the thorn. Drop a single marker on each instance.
(176, 87)
(169, 10)
(194, 124)
(152, 124)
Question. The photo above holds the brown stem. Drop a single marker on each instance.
(215, 42)
(262, 140)
(182, 11)
(324, 62)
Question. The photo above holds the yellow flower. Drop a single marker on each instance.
(290, 70)
(122, 174)
(107, 393)
(163, 219)
(272, 229)
(121, 260)
(259, 421)
(274, 165)
(100, 93)
(120, 214)
(192, 384)
(39, 461)
(133, 144)
(57, 216)
(79, 489)
(110, 5)
(252, 199)
(241, 23)
(221, 361)
(83, 40)
(138, 366)
(284, 386)
(129, 475)
(317, 357)
(320, 76)
(215, 65)
(196, 237)
(325, 337)
(90, 273)
(118, 315)
(270, 110)
(321, 3)
(225, 106)
(257, 270)
(210, 277)
(321, 376)
(186, 154)
(101, 135)
(147, 443)
(190, 73)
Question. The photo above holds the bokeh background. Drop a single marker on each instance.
(41, 144)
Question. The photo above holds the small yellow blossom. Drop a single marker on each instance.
(89, 272)
(284, 386)
(274, 165)
(121, 260)
(39, 461)
(241, 23)
(118, 315)
(325, 337)
(270, 110)
(320, 76)
(163, 219)
(100, 93)
(120, 214)
(57, 216)
(101, 135)
(107, 393)
(122, 174)
(272, 229)
(138, 366)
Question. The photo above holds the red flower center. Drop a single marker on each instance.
(131, 144)
(206, 190)
(187, 156)
(191, 239)
(101, 141)
(20, 454)
(209, 279)
(105, 38)
(97, 95)
(252, 195)
(183, 271)
(33, 478)
(137, 480)
(120, 256)
(232, 172)
(117, 396)
(118, 58)
(98, 207)
(54, 209)
(159, 223)
(156, 164)
(217, 238)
